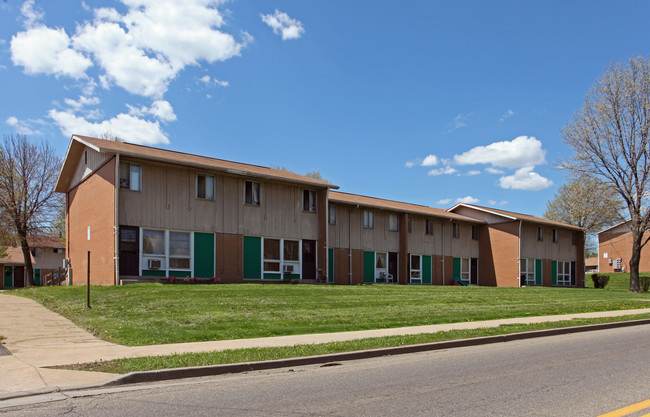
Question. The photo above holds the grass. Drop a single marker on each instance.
(618, 281)
(123, 366)
(146, 314)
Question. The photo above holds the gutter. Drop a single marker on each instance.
(519, 254)
(116, 229)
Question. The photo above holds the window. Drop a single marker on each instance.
(475, 230)
(129, 176)
(153, 242)
(554, 235)
(381, 260)
(292, 250)
(36, 252)
(464, 269)
(574, 238)
(85, 157)
(393, 222)
(58, 250)
(410, 224)
(205, 187)
(368, 219)
(540, 233)
(271, 255)
(455, 230)
(527, 268)
(309, 200)
(416, 269)
(563, 273)
(252, 193)
(179, 250)
(428, 227)
(332, 215)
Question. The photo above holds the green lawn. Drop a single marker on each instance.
(143, 314)
(618, 281)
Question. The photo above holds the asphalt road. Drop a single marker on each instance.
(584, 374)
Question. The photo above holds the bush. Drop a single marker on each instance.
(600, 281)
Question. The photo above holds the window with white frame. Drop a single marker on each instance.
(205, 187)
(428, 226)
(368, 219)
(281, 253)
(527, 274)
(465, 269)
(179, 250)
(455, 230)
(393, 222)
(272, 255)
(309, 200)
(416, 269)
(332, 210)
(563, 273)
(129, 176)
(153, 249)
(252, 193)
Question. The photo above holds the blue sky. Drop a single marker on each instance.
(427, 102)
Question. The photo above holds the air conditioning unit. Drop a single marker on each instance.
(287, 269)
(617, 263)
(154, 263)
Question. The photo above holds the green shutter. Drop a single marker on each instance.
(554, 272)
(330, 265)
(204, 255)
(426, 269)
(368, 267)
(37, 277)
(252, 257)
(538, 272)
(456, 269)
(9, 275)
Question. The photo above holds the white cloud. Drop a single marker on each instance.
(126, 126)
(21, 126)
(83, 101)
(444, 201)
(525, 179)
(160, 109)
(492, 202)
(31, 13)
(430, 160)
(409, 164)
(459, 121)
(503, 202)
(522, 151)
(43, 50)
(141, 51)
(283, 25)
(442, 171)
(494, 170)
(211, 82)
(467, 199)
(473, 172)
(508, 114)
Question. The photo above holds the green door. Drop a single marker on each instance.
(9, 277)
(252, 257)
(456, 269)
(426, 269)
(554, 272)
(204, 255)
(37, 277)
(538, 272)
(330, 265)
(368, 267)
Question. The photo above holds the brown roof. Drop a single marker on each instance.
(44, 242)
(173, 157)
(591, 261)
(14, 256)
(516, 216)
(355, 199)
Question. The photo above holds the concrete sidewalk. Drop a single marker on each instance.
(38, 338)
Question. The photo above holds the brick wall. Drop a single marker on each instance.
(499, 265)
(92, 204)
(619, 245)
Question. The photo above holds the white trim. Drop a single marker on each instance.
(481, 209)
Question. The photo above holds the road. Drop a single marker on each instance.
(583, 374)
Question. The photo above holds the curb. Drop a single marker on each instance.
(200, 371)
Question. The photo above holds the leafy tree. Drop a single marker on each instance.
(588, 203)
(316, 175)
(28, 173)
(609, 137)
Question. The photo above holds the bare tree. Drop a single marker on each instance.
(609, 136)
(28, 173)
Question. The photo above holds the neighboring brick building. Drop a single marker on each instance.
(47, 254)
(149, 213)
(615, 250)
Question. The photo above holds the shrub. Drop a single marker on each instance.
(644, 283)
(600, 281)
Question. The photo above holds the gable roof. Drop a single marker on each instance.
(42, 241)
(514, 216)
(14, 256)
(77, 144)
(379, 203)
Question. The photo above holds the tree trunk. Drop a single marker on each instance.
(635, 259)
(29, 269)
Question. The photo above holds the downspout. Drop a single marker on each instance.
(442, 249)
(519, 255)
(116, 230)
(350, 245)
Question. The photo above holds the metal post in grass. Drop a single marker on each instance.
(88, 283)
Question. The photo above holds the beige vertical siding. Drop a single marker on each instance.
(168, 200)
(562, 250)
(48, 259)
(441, 242)
(349, 227)
(95, 160)
(481, 215)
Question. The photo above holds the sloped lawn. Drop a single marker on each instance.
(144, 314)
